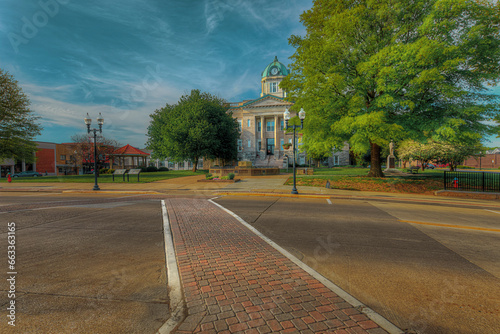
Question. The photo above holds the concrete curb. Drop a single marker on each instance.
(272, 195)
(377, 318)
(177, 303)
(112, 192)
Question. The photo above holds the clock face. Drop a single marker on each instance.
(274, 71)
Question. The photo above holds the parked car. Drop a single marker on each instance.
(28, 173)
(430, 166)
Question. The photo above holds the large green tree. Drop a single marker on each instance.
(197, 126)
(368, 71)
(18, 124)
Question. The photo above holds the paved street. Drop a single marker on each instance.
(85, 265)
(420, 277)
(95, 262)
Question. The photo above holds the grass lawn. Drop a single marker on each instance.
(105, 178)
(355, 179)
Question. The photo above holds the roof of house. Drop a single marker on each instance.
(129, 150)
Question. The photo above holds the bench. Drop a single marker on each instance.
(413, 169)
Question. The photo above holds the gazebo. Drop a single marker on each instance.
(129, 157)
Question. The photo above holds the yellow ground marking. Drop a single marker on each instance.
(452, 226)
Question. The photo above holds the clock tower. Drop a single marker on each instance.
(271, 78)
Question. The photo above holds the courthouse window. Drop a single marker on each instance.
(270, 126)
(273, 87)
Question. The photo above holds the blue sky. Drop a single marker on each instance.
(126, 58)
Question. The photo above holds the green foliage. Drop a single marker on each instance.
(163, 169)
(106, 171)
(230, 176)
(371, 71)
(197, 126)
(149, 169)
(441, 152)
(18, 125)
(208, 176)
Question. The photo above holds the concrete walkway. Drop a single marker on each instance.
(235, 282)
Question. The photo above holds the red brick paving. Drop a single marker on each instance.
(234, 282)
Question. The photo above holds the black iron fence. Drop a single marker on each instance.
(472, 181)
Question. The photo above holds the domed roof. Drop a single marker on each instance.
(275, 68)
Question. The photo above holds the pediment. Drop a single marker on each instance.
(266, 102)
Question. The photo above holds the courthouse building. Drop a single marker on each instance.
(261, 124)
(261, 121)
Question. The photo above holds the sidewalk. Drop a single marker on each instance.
(248, 186)
(235, 282)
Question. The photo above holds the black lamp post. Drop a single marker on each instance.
(286, 116)
(100, 122)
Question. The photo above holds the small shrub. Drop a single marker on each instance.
(151, 169)
(465, 167)
(163, 169)
(103, 171)
(230, 176)
(110, 171)
(208, 176)
(225, 178)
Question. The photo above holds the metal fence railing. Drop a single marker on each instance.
(472, 181)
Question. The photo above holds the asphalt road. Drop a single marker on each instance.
(84, 265)
(93, 263)
(423, 278)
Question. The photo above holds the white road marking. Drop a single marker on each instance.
(177, 305)
(493, 211)
(328, 200)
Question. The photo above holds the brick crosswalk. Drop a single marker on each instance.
(235, 282)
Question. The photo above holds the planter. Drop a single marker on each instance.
(287, 146)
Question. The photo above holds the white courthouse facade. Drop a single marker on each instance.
(261, 122)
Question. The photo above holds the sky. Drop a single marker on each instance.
(127, 58)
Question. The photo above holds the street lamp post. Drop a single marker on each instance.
(286, 116)
(100, 122)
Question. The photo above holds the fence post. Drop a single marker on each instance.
(483, 182)
(444, 180)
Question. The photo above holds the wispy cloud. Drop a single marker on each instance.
(126, 58)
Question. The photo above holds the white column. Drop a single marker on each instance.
(276, 137)
(262, 134)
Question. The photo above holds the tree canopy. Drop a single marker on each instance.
(368, 71)
(18, 124)
(197, 126)
(441, 152)
(83, 149)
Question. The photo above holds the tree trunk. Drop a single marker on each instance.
(195, 165)
(375, 167)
